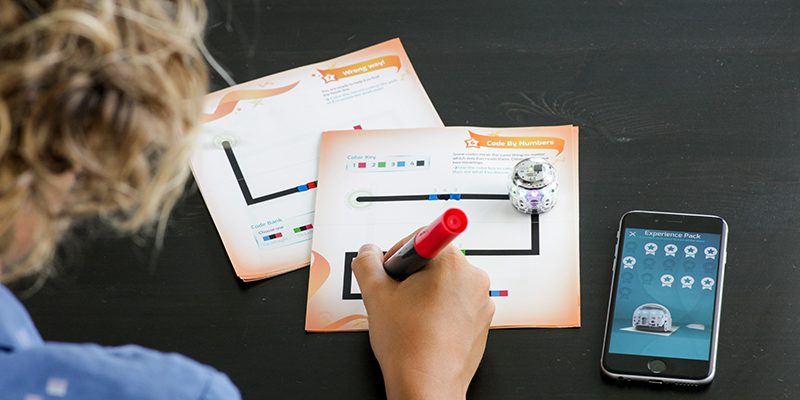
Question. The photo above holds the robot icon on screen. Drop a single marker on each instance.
(710, 252)
(628, 262)
(671, 249)
(652, 317)
(687, 282)
(707, 283)
(690, 251)
(666, 280)
(650, 248)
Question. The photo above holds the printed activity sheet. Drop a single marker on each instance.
(379, 186)
(256, 159)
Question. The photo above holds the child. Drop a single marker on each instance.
(99, 103)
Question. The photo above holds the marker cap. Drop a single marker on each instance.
(436, 236)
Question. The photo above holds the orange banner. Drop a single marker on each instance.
(514, 142)
(229, 101)
(334, 74)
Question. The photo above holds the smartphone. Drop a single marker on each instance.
(663, 313)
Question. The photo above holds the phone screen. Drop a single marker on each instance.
(665, 294)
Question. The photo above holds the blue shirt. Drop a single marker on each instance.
(32, 369)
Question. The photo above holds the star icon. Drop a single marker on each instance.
(471, 142)
(256, 102)
(667, 279)
(329, 78)
(495, 133)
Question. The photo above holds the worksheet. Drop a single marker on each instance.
(380, 186)
(256, 159)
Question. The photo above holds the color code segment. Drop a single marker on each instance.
(303, 228)
(498, 293)
(272, 237)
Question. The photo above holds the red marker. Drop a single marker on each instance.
(426, 244)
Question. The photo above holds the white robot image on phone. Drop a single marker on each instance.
(652, 317)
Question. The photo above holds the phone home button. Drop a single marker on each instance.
(657, 366)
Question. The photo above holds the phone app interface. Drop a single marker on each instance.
(665, 294)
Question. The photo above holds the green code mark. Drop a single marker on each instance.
(381, 164)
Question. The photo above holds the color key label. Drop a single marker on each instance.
(389, 163)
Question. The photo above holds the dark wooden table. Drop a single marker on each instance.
(689, 106)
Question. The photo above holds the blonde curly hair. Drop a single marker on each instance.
(107, 90)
